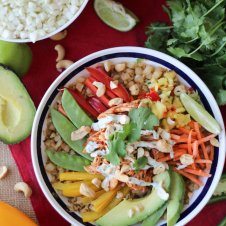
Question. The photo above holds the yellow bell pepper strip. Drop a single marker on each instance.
(77, 176)
(92, 216)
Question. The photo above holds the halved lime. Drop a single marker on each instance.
(115, 15)
(199, 113)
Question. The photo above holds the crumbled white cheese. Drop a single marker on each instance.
(91, 146)
(31, 19)
(160, 191)
(103, 122)
(99, 153)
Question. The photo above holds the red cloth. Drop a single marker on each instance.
(87, 35)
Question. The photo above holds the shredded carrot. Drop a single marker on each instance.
(183, 140)
(195, 148)
(199, 135)
(197, 172)
(211, 152)
(189, 143)
(203, 161)
(207, 138)
(189, 176)
(184, 146)
(175, 137)
(176, 155)
(187, 131)
(176, 131)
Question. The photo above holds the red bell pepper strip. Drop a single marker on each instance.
(83, 103)
(153, 95)
(93, 89)
(100, 75)
(108, 92)
(96, 104)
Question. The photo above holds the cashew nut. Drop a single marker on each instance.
(115, 101)
(23, 187)
(87, 191)
(80, 133)
(63, 64)
(3, 171)
(59, 36)
(101, 88)
(60, 51)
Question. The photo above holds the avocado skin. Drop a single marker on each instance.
(10, 83)
(118, 216)
(17, 57)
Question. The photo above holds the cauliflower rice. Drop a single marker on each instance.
(23, 19)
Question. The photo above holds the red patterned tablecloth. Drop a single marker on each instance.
(87, 35)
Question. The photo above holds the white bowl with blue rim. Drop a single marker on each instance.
(119, 54)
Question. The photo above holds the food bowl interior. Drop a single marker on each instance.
(82, 7)
(186, 76)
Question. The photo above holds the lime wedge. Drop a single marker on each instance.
(115, 15)
(199, 113)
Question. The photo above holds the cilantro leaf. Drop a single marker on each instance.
(151, 121)
(158, 33)
(112, 157)
(135, 133)
(140, 163)
(141, 118)
(197, 37)
(116, 144)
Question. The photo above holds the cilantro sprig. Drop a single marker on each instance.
(197, 37)
(140, 118)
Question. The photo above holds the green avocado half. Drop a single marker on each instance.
(17, 110)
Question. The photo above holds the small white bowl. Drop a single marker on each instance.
(82, 7)
(186, 75)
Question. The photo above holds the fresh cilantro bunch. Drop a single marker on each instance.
(140, 118)
(197, 37)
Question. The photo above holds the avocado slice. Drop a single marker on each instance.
(74, 112)
(176, 202)
(118, 216)
(153, 219)
(17, 110)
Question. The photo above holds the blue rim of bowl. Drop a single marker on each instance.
(100, 59)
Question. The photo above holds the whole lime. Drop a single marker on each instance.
(16, 56)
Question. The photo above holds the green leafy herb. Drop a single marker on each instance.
(197, 37)
(140, 163)
(116, 144)
(141, 118)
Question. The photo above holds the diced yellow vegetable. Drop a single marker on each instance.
(158, 109)
(86, 200)
(75, 192)
(182, 120)
(76, 176)
(93, 216)
(102, 201)
(177, 103)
